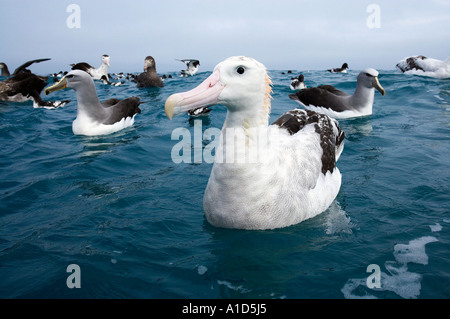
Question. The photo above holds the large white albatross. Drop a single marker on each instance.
(95, 117)
(295, 178)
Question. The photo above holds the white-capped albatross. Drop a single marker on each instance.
(95, 117)
(192, 67)
(270, 176)
(149, 78)
(96, 74)
(342, 69)
(421, 65)
(328, 100)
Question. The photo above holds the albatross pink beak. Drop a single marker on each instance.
(207, 93)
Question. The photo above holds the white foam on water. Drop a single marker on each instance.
(337, 220)
(202, 270)
(227, 284)
(413, 252)
(436, 227)
(397, 278)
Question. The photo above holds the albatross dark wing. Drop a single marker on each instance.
(331, 136)
(123, 109)
(25, 83)
(29, 85)
(27, 64)
(83, 66)
(110, 102)
(323, 95)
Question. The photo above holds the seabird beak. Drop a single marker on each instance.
(376, 84)
(206, 94)
(56, 87)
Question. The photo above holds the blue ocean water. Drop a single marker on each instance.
(132, 220)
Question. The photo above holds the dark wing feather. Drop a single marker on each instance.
(110, 102)
(29, 85)
(325, 96)
(83, 66)
(24, 82)
(27, 64)
(332, 90)
(331, 136)
(123, 109)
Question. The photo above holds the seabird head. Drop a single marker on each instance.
(105, 59)
(72, 80)
(369, 78)
(194, 63)
(4, 69)
(239, 83)
(298, 83)
(149, 63)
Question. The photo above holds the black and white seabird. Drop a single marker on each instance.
(328, 100)
(95, 117)
(25, 86)
(264, 176)
(192, 67)
(421, 65)
(342, 69)
(200, 111)
(95, 73)
(298, 83)
(149, 78)
(107, 82)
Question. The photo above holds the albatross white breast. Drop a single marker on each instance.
(95, 117)
(264, 176)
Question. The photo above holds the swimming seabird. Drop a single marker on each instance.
(26, 86)
(95, 73)
(95, 117)
(192, 67)
(149, 78)
(342, 69)
(337, 104)
(298, 83)
(107, 82)
(421, 65)
(270, 176)
(200, 111)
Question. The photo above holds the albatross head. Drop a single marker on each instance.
(105, 59)
(239, 83)
(369, 79)
(73, 80)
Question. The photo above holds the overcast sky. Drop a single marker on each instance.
(291, 34)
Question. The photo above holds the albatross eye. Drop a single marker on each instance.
(69, 76)
(240, 70)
